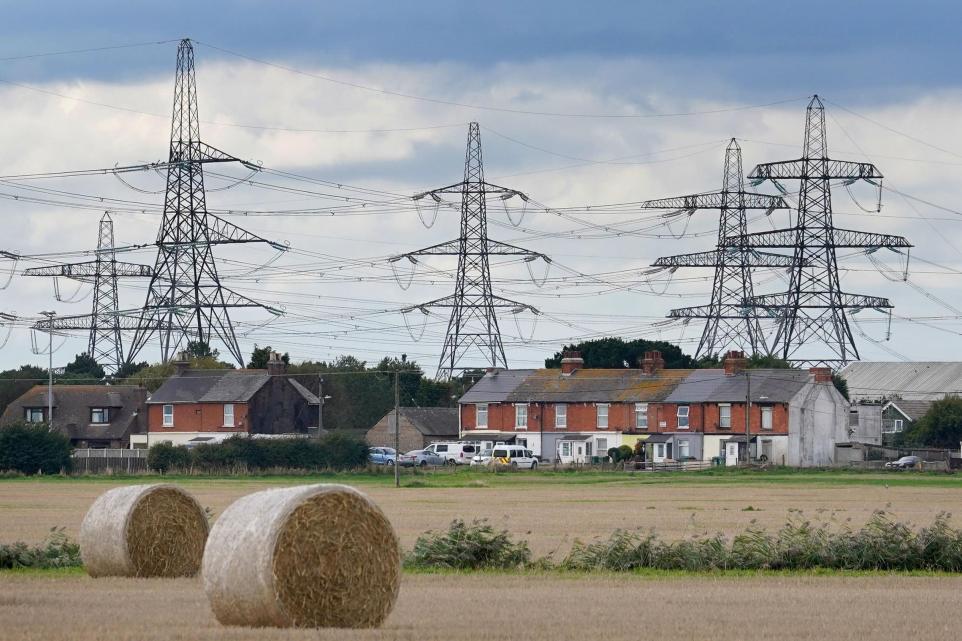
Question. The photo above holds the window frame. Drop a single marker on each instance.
(165, 414)
(767, 410)
(641, 412)
(687, 416)
(29, 412)
(598, 415)
(106, 415)
(477, 415)
(519, 410)
(233, 421)
(561, 417)
(686, 443)
(721, 421)
(898, 425)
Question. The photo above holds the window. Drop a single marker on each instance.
(500, 453)
(602, 446)
(898, 425)
(682, 417)
(602, 416)
(98, 415)
(641, 416)
(521, 416)
(561, 416)
(853, 418)
(168, 415)
(766, 417)
(724, 416)
(683, 450)
(228, 415)
(566, 449)
(34, 415)
(482, 409)
(659, 450)
(440, 448)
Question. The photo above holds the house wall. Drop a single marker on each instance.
(865, 423)
(197, 417)
(409, 438)
(278, 408)
(818, 416)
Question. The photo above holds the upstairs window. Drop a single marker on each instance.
(766, 417)
(228, 415)
(725, 416)
(521, 416)
(482, 410)
(168, 415)
(641, 416)
(98, 415)
(33, 414)
(561, 416)
(682, 415)
(602, 416)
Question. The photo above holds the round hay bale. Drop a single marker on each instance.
(311, 556)
(154, 530)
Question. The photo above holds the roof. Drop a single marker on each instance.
(714, 386)
(307, 394)
(72, 405)
(211, 386)
(581, 386)
(929, 380)
(433, 421)
(912, 410)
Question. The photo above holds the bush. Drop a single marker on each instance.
(57, 551)
(625, 452)
(614, 454)
(31, 449)
(331, 451)
(165, 457)
(468, 547)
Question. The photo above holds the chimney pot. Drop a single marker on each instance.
(735, 363)
(652, 362)
(181, 363)
(276, 365)
(571, 361)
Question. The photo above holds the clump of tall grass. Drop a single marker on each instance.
(465, 546)
(56, 551)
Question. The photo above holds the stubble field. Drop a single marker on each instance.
(550, 512)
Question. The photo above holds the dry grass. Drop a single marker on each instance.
(548, 516)
(540, 608)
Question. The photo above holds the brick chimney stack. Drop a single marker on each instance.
(735, 363)
(820, 374)
(571, 362)
(276, 365)
(652, 362)
(181, 363)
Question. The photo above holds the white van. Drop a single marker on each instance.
(456, 453)
(514, 456)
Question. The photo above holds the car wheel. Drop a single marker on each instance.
(514, 464)
(423, 464)
(534, 465)
(389, 462)
(448, 461)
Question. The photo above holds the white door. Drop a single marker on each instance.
(659, 453)
(731, 454)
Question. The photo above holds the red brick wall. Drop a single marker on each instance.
(197, 417)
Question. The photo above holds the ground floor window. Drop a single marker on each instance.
(566, 449)
(683, 449)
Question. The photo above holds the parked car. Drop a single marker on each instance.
(381, 455)
(457, 453)
(482, 458)
(514, 456)
(904, 463)
(421, 458)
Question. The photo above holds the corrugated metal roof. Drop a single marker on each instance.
(714, 386)
(495, 387)
(914, 381)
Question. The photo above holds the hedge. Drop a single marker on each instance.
(32, 448)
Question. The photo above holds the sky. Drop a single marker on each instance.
(579, 107)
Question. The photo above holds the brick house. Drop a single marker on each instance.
(94, 416)
(197, 405)
(573, 414)
(420, 426)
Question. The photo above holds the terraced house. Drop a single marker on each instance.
(575, 415)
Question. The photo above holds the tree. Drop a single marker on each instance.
(840, 384)
(200, 349)
(260, 356)
(940, 427)
(617, 353)
(129, 369)
(14, 382)
(31, 448)
(84, 368)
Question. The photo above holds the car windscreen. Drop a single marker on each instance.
(500, 453)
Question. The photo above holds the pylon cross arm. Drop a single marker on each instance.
(716, 200)
(725, 257)
(815, 168)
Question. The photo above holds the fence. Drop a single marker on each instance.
(98, 461)
(667, 466)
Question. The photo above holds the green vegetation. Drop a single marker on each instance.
(57, 551)
(617, 353)
(31, 448)
(468, 547)
(940, 427)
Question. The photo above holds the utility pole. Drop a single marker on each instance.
(748, 414)
(320, 405)
(397, 428)
(49, 316)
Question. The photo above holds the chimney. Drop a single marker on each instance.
(275, 365)
(652, 362)
(820, 374)
(571, 362)
(181, 363)
(735, 363)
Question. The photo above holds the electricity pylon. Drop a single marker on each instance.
(105, 344)
(186, 299)
(473, 326)
(729, 323)
(814, 309)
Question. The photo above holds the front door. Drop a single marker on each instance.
(731, 454)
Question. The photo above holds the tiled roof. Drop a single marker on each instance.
(581, 386)
(211, 386)
(913, 381)
(72, 405)
(714, 386)
(495, 386)
(433, 421)
(912, 410)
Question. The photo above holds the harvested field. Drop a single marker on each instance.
(555, 607)
(550, 514)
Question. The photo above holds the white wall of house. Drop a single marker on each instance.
(817, 420)
(865, 423)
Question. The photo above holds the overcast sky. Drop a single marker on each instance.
(888, 71)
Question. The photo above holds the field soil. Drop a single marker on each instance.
(550, 515)
(539, 607)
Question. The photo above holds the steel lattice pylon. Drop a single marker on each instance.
(814, 309)
(729, 324)
(473, 326)
(105, 344)
(186, 299)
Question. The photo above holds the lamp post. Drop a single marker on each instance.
(50, 316)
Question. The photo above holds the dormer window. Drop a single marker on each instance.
(34, 414)
(99, 415)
